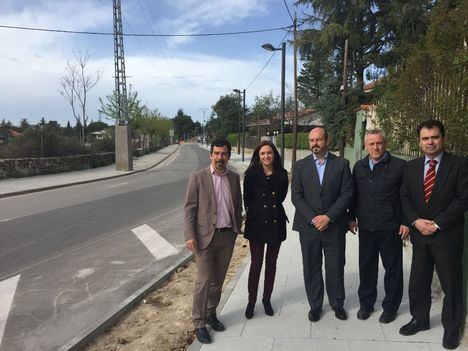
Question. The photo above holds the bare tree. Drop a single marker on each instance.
(76, 84)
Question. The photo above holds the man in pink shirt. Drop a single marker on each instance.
(212, 220)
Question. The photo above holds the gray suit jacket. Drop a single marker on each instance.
(332, 198)
(200, 207)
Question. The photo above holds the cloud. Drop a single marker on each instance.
(194, 16)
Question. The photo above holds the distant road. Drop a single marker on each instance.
(69, 257)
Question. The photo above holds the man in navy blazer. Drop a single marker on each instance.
(434, 198)
(321, 191)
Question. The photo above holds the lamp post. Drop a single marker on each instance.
(270, 47)
(243, 120)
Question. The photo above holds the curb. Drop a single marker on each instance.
(57, 186)
(79, 342)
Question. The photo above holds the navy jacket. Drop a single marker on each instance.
(263, 200)
(376, 197)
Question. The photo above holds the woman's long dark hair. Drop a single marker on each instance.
(255, 164)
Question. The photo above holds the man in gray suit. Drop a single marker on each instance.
(212, 220)
(321, 191)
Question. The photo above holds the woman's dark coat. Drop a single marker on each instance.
(263, 201)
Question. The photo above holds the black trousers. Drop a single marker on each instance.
(448, 263)
(333, 245)
(389, 245)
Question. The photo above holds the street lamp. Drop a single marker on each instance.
(270, 47)
(243, 120)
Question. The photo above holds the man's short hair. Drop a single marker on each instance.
(221, 143)
(376, 131)
(325, 133)
(429, 124)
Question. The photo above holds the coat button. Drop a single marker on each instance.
(274, 206)
(274, 221)
(273, 193)
(263, 194)
(268, 178)
(266, 221)
(265, 206)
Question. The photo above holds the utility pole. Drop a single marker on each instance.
(296, 112)
(341, 145)
(123, 145)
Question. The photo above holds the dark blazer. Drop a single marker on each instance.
(448, 202)
(376, 196)
(263, 200)
(200, 206)
(311, 199)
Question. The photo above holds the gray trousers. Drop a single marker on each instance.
(333, 246)
(212, 265)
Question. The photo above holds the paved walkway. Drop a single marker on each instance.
(290, 329)
(15, 186)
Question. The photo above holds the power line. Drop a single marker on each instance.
(266, 64)
(146, 34)
(287, 8)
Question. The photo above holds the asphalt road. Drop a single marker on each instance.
(70, 257)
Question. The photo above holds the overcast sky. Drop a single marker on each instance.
(167, 73)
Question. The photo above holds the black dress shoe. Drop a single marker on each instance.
(249, 310)
(268, 308)
(202, 335)
(413, 327)
(364, 313)
(314, 315)
(451, 340)
(215, 323)
(387, 317)
(340, 313)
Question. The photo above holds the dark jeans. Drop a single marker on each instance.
(389, 245)
(256, 254)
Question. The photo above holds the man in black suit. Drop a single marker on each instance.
(321, 191)
(434, 197)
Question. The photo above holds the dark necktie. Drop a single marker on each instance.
(429, 180)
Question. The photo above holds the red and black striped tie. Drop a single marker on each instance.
(429, 180)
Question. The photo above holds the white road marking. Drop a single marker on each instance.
(7, 292)
(155, 243)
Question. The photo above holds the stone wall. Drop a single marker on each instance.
(26, 167)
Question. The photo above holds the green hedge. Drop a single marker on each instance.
(302, 141)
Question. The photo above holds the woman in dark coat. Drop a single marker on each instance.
(265, 188)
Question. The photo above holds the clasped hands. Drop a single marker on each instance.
(425, 226)
(321, 222)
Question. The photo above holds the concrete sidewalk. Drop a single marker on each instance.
(290, 329)
(16, 186)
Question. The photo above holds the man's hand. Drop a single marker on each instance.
(425, 226)
(403, 232)
(353, 227)
(321, 222)
(191, 245)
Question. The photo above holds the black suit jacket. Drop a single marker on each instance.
(332, 198)
(448, 202)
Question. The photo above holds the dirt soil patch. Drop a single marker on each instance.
(162, 320)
